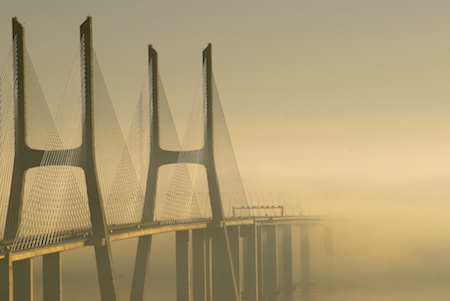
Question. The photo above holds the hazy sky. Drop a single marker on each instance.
(337, 98)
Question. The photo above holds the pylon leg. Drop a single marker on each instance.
(141, 268)
(223, 280)
(105, 273)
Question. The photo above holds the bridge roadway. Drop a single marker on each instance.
(82, 238)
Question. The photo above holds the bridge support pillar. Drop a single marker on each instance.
(52, 277)
(250, 263)
(209, 264)
(270, 262)
(6, 278)
(259, 254)
(305, 258)
(23, 280)
(287, 260)
(234, 237)
(183, 264)
(223, 280)
(200, 261)
(329, 253)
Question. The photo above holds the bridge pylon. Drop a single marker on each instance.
(101, 241)
(223, 270)
(17, 277)
(222, 283)
(16, 281)
(158, 157)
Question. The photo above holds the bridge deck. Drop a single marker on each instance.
(84, 238)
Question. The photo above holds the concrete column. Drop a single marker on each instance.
(52, 277)
(304, 257)
(183, 264)
(288, 285)
(260, 253)
(250, 263)
(209, 264)
(270, 272)
(329, 254)
(199, 263)
(23, 280)
(234, 236)
(6, 278)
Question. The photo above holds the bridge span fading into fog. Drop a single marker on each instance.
(74, 182)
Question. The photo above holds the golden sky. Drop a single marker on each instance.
(348, 99)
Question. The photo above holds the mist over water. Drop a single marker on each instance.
(397, 250)
(378, 255)
(437, 294)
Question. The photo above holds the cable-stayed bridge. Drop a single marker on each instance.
(76, 182)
